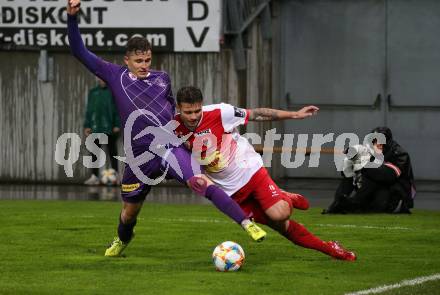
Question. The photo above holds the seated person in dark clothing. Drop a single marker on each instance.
(388, 188)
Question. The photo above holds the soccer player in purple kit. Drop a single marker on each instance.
(144, 101)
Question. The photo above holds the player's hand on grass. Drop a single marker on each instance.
(73, 6)
(305, 112)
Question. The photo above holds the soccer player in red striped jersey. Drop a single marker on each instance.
(232, 163)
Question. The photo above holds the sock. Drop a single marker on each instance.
(245, 222)
(125, 231)
(299, 235)
(224, 203)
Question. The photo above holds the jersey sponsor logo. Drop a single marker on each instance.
(126, 188)
(203, 132)
(240, 113)
(217, 162)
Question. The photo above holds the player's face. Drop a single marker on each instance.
(378, 147)
(190, 113)
(138, 63)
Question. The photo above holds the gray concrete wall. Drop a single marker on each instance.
(366, 64)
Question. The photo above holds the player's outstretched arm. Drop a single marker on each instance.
(265, 114)
(90, 60)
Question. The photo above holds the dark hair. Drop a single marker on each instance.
(189, 94)
(385, 131)
(137, 44)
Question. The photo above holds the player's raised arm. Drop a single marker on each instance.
(96, 65)
(265, 114)
(73, 6)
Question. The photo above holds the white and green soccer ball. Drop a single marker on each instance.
(228, 256)
(109, 177)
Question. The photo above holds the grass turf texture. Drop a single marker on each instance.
(56, 247)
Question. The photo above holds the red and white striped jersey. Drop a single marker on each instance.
(227, 157)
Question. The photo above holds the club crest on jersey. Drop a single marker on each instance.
(239, 112)
(203, 132)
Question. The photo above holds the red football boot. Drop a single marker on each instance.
(298, 201)
(339, 252)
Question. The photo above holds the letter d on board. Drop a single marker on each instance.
(8, 15)
(191, 10)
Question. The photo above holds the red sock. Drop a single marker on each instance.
(299, 235)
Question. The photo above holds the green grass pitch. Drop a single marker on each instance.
(56, 247)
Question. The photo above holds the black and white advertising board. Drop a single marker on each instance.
(106, 25)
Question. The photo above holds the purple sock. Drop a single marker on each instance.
(224, 203)
(125, 231)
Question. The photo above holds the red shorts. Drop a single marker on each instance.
(258, 195)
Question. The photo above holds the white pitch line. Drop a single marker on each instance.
(363, 226)
(381, 289)
(319, 224)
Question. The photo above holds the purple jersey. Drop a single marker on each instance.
(152, 94)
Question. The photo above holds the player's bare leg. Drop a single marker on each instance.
(280, 211)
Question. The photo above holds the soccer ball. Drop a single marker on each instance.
(228, 256)
(109, 177)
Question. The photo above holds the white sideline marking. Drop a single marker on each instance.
(363, 226)
(381, 289)
(319, 224)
